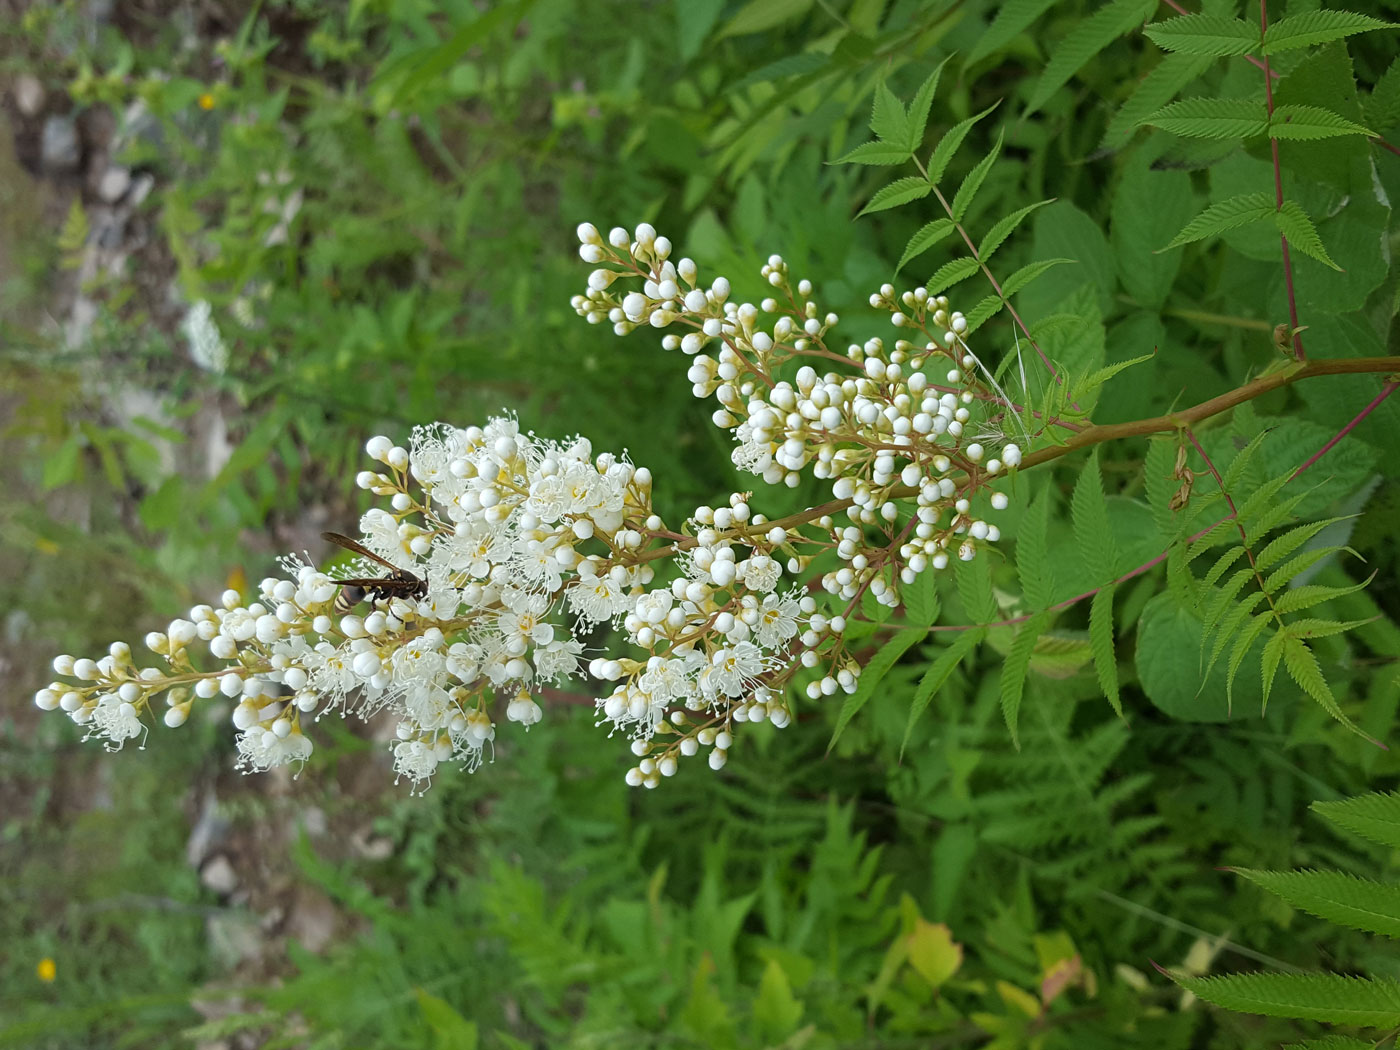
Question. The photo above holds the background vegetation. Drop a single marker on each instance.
(378, 201)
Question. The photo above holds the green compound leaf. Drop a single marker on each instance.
(1028, 273)
(950, 273)
(1162, 84)
(1204, 35)
(1101, 646)
(1290, 541)
(962, 200)
(948, 145)
(921, 104)
(1382, 106)
(871, 676)
(1004, 228)
(1312, 997)
(888, 119)
(1375, 816)
(937, 674)
(1317, 27)
(1015, 668)
(1086, 386)
(920, 600)
(1293, 222)
(1226, 215)
(1362, 904)
(1085, 40)
(1211, 118)
(1092, 533)
(1306, 123)
(925, 238)
(1301, 663)
(1011, 19)
(901, 191)
(882, 153)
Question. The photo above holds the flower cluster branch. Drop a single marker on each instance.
(517, 547)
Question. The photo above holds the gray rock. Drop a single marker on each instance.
(58, 150)
(219, 876)
(141, 189)
(29, 95)
(114, 183)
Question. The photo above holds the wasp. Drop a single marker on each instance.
(399, 583)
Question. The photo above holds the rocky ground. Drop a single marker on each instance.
(53, 153)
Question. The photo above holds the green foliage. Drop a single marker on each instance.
(1363, 904)
(1053, 750)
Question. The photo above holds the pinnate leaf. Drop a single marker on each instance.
(920, 105)
(1211, 118)
(950, 273)
(1362, 904)
(1226, 215)
(1011, 19)
(1293, 222)
(937, 674)
(888, 119)
(1382, 107)
(901, 191)
(1375, 816)
(1305, 123)
(1204, 35)
(962, 200)
(1101, 645)
(1084, 41)
(881, 153)
(948, 145)
(925, 238)
(1014, 669)
(1317, 27)
(872, 674)
(1312, 997)
(1003, 229)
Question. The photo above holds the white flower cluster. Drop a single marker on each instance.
(499, 549)
(511, 537)
(882, 430)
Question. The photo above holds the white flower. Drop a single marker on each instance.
(594, 600)
(761, 573)
(417, 760)
(524, 710)
(558, 660)
(261, 749)
(777, 621)
(116, 719)
(732, 671)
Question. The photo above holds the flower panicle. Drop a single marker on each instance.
(522, 545)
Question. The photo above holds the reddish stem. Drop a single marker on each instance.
(1278, 190)
(1386, 391)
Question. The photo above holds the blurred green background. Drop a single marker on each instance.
(377, 200)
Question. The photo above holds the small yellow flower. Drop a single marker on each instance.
(206, 101)
(46, 970)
